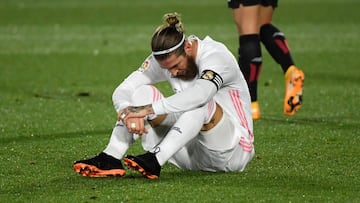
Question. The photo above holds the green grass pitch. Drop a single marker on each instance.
(61, 60)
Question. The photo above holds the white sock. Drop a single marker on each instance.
(120, 141)
(155, 135)
(185, 129)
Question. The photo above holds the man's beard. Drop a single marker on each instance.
(191, 71)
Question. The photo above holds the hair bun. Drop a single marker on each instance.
(173, 19)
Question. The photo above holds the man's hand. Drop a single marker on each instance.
(133, 118)
(136, 125)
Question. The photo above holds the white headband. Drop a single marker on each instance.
(166, 51)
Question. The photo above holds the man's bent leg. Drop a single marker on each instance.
(182, 132)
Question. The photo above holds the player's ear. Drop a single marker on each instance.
(188, 48)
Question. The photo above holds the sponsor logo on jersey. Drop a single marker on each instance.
(145, 65)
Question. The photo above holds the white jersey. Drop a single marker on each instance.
(219, 78)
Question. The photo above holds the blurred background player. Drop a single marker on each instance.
(253, 19)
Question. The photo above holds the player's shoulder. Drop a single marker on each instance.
(149, 62)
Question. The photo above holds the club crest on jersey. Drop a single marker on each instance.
(213, 77)
(208, 75)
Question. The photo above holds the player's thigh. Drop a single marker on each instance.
(246, 19)
(266, 14)
(221, 137)
(245, 14)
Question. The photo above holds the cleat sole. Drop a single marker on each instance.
(93, 171)
(135, 166)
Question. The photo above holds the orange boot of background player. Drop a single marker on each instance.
(294, 82)
(255, 109)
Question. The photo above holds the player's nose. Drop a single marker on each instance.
(174, 72)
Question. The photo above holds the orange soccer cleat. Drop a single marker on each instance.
(146, 164)
(255, 109)
(102, 165)
(294, 82)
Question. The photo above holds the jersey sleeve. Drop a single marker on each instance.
(214, 74)
(195, 96)
(148, 73)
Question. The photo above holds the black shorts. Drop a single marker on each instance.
(236, 3)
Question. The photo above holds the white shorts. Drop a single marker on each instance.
(215, 150)
(197, 157)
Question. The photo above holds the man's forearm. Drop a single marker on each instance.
(147, 109)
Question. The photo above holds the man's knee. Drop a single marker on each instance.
(145, 94)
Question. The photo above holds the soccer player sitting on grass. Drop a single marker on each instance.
(206, 125)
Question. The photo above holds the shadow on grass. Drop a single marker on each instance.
(333, 122)
(53, 136)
